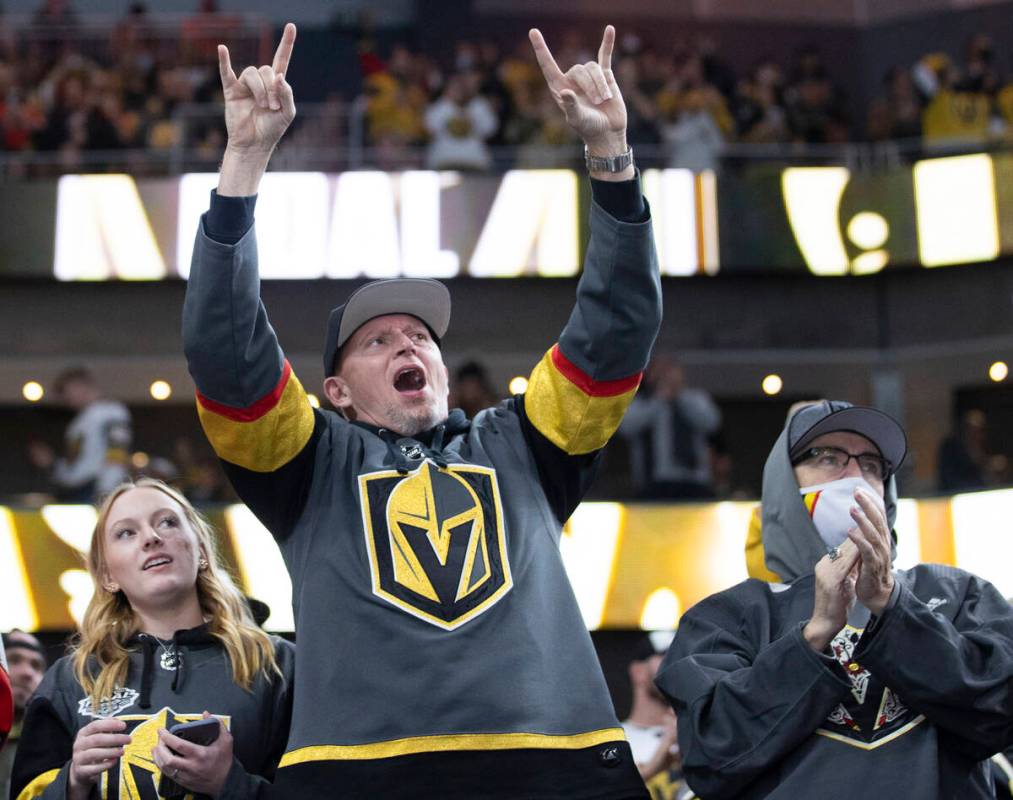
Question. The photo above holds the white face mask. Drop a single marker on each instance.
(829, 504)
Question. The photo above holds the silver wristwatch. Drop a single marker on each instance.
(610, 164)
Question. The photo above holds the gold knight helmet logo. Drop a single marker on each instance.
(135, 776)
(436, 542)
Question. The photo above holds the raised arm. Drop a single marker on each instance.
(579, 391)
(251, 405)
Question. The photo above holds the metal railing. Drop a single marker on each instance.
(176, 38)
(332, 137)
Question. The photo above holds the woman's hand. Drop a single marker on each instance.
(199, 768)
(97, 747)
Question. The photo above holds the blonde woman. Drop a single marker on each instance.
(167, 638)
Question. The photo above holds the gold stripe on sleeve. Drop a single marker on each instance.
(573, 420)
(267, 442)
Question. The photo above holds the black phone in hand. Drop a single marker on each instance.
(201, 731)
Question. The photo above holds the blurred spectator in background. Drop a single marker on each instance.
(396, 95)
(667, 428)
(694, 139)
(980, 74)
(651, 726)
(53, 27)
(693, 116)
(964, 462)
(758, 106)
(200, 476)
(472, 390)
(26, 664)
(201, 33)
(816, 111)
(897, 114)
(957, 111)
(132, 32)
(96, 443)
(19, 118)
(459, 123)
(485, 64)
(641, 111)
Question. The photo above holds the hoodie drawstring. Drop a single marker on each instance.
(437, 447)
(147, 671)
(180, 668)
(149, 644)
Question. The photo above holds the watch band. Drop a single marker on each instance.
(610, 163)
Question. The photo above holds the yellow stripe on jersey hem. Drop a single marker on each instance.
(268, 442)
(450, 743)
(39, 785)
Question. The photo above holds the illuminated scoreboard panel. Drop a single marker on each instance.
(637, 565)
(372, 224)
(824, 220)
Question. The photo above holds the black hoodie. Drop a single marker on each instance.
(161, 690)
(906, 705)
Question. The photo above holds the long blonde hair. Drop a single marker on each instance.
(109, 621)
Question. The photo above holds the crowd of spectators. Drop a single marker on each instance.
(69, 88)
(946, 100)
(687, 104)
(73, 93)
(684, 105)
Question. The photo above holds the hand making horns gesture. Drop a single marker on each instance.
(588, 95)
(258, 104)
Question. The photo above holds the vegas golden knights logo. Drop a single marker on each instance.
(872, 715)
(436, 542)
(136, 776)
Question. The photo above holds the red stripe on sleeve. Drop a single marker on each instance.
(258, 409)
(588, 385)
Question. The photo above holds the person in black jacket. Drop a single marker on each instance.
(846, 675)
(166, 638)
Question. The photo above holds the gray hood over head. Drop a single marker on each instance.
(791, 543)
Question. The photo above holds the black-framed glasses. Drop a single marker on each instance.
(833, 461)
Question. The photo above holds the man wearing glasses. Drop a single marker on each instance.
(838, 672)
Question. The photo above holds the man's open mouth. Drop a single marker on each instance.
(410, 379)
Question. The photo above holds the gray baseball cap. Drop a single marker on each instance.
(828, 416)
(424, 298)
